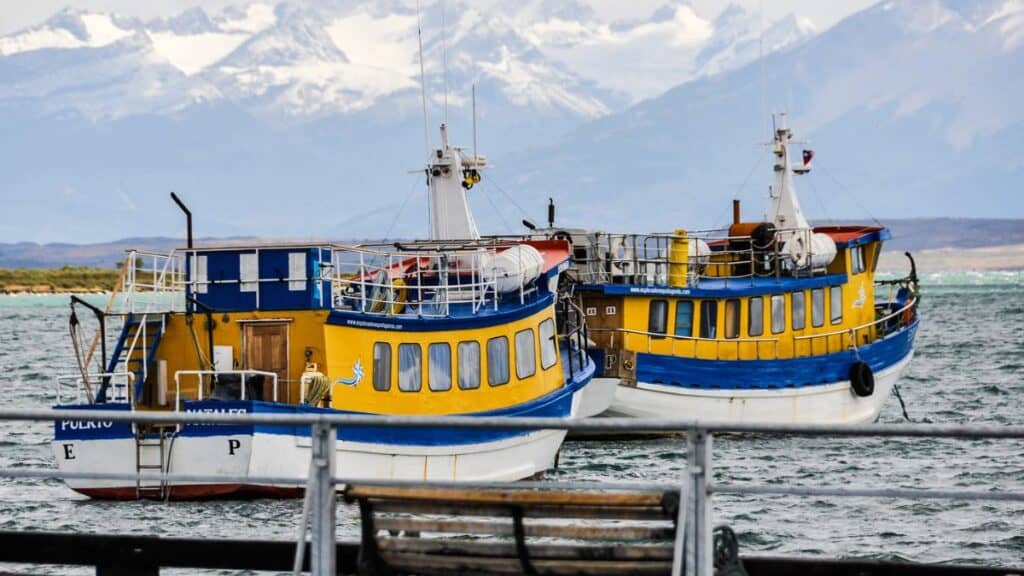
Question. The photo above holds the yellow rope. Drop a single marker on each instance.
(318, 388)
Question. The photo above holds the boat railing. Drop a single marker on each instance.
(70, 389)
(759, 348)
(857, 336)
(681, 260)
(423, 281)
(697, 484)
(201, 393)
(707, 348)
(154, 282)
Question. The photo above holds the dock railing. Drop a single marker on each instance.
(693, 538)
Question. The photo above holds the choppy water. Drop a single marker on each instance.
(969, 368)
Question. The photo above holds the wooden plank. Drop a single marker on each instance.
(529, 511)
(513, 496)
(426, 565)
(490, 548)
(568, 530)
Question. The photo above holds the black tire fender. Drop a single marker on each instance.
(862, 379)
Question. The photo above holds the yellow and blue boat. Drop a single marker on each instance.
(451, 326)
(773, 321)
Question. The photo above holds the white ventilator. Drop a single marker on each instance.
(451, 173)
(804, 247)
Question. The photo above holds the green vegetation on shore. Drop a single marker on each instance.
(49, 280)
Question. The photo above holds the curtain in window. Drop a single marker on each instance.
(410, 371)
(440, 363)
(469, 365)
(497, 361)
(526, 355)
(548, 346)
(381, 366)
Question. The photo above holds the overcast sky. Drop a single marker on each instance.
(17, 14)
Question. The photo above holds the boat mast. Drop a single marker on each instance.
(785, 210)
(451, 174)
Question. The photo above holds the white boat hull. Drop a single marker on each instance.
(832, 403)
(598, 397)
(239, 457)
(287, 457)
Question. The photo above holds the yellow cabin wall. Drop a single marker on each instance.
(858, 310)
(347, 345)
(305, 330)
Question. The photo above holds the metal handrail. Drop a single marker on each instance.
(79, 379)
(200, 373)
(373, 279)
(652, 336)
(692, 548)
(912, 303)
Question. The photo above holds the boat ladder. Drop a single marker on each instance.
(152, 458)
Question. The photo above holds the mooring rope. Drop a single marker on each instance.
(896, 389)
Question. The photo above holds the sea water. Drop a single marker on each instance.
(968, 368)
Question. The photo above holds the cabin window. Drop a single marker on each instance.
(857, 259)
(684, 318)
(755, 326)
(818, 307)
(799, 310)
(410, 367)
(469, 365)
(497, 361)
(248, 272)
(548, 346)
(297, 272)
(836, 304)
(439, 372)
(778, 314)
(657, 319)
(526, 354)
(382, 366)
(199, 278)
(708, 318)
(732, 318)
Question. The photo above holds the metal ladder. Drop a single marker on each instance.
(151, 456)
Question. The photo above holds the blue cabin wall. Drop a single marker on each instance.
(273, 291)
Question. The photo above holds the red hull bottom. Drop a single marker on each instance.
(196, 492)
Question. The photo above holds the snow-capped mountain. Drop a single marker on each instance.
(913, 108)
(304, 117)
(300, 59)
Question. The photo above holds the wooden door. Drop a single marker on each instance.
(266, 348)
(604, 316)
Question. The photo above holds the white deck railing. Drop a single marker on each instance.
(423, 279)
(647, 259)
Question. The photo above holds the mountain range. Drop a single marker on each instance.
(304, 119)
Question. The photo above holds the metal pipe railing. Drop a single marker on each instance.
(200, 373)
(692, 547)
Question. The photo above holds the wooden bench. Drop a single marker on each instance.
(514, 531)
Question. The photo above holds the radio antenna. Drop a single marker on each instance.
(474, 120)
(423, 83)
(444, 58)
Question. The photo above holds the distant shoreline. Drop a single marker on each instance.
(1008, 258)
(83, 280)
(65, 280)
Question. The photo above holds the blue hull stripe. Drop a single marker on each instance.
(557, 404)
(769, 374)
(411, 323)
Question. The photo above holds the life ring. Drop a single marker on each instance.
(862, 380)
